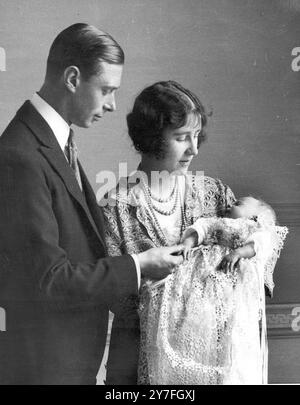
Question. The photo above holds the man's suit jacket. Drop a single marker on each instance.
(56, 285)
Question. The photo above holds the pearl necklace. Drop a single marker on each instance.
(164, 200)
(161, 210)
(182, 223)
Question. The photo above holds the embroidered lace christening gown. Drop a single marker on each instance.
(199, 325)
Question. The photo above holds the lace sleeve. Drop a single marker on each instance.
(268, 243)
(278, 238)
(218, 197)
(200, 227)
(263, 245)
(112, 232)
(229, 196)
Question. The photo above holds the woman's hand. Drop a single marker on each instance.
(230, 262)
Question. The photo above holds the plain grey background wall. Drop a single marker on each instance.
(237, 56)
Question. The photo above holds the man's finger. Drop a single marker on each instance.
(176, 249)
(178, 260)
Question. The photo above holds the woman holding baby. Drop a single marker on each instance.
(191, 324)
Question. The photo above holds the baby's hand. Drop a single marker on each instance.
(188, 244)
(230, 261)
(187, 252)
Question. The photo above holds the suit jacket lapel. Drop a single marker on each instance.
(92, 204)
(54, 155)
(61, 166)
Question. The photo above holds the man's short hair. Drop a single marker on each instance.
(84, 46)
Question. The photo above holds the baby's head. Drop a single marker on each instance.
(252, 208)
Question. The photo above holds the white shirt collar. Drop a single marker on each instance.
(58, 125)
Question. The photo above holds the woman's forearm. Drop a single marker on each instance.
(247, 251)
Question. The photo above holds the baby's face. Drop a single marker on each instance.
(245, 207)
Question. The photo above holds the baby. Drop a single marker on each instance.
(247, 208)
(211, 324)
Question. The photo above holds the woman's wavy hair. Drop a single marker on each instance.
(163, 105)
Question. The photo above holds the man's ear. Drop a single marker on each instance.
(72, 78)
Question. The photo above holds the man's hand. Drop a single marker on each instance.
(157, 263)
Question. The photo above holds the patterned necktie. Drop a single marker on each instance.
(71, 152)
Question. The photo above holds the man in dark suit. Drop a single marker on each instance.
(56, 283)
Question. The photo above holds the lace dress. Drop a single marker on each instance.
(130, 228)
(202, 325)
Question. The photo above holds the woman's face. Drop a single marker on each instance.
(180, 146)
